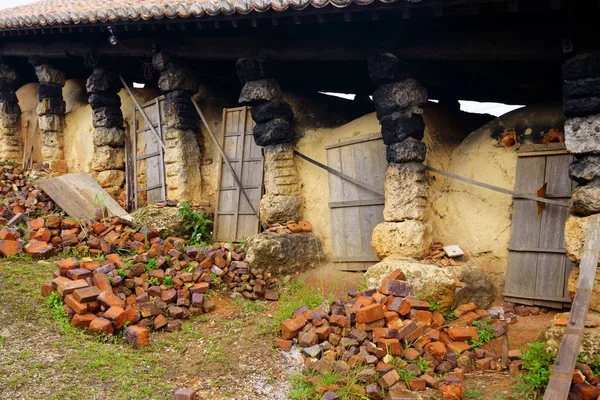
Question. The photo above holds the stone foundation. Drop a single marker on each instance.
(273, 115)
(397, 102)
(182, 152)
(10, 116)
(108, 162)
(51, 113)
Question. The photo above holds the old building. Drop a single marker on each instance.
(258, 69)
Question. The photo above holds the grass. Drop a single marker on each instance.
(472, 394)
(309, 385)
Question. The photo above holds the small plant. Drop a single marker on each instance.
(595, 365)
(151, 264)
(168, 281)
(153, 281)
(472, 394)
(195, 222)
(451, 316)
(55, 304)
(405, 375)
(537, 360)
(433, 306)
(38, 213)
(485, 331)
(122, 273)
(421, 363)
(152, 298)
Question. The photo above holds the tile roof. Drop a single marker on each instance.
(56, 12)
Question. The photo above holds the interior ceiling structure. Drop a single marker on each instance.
(504, 51)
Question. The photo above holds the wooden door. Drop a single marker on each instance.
(234, 219)
(355, 211)
(538, 268)
(152, 155)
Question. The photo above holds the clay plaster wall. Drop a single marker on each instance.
(477, 219)
(78, 128)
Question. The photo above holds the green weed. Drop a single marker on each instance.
(536, 367)
(485, 331)
(195, 222)
(472, 394)
(168, 281)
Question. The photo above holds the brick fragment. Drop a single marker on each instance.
(370, 313)
(185, 394)
(116, 315)
(137, 336)
(82, 321)
(108, 299)
(389, 379)
(100, 326)
(87, 294)
(291, 327)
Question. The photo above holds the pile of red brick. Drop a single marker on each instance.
(155, 284)
(387, 331)
(20, 197)
(438, 256)
(291, 227)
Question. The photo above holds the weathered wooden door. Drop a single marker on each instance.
(355, 211)
(234, 219)
(538, 268)
(147, 150)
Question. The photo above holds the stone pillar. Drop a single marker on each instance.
(10, 116)
(581, 106)
(182, 153)
(108, 162)
(398, 98)
(273, 131)
(51, 112)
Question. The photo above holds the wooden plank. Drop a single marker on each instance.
(153, 181)
(356, 203)
(355, 140)
(562, 374)
(537, 250)
(79, 195)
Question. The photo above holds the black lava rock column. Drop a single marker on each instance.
(398, 100)
(273, 131)
(10, 116)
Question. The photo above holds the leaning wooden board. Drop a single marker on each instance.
(79, 195)
(562, 374)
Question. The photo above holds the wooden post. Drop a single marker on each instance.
(560, 381)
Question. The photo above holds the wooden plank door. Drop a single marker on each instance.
(234, 218)
(152, 156)
(355, 211)
(538, 269)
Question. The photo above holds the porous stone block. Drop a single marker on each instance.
(106, 157)
(408, 150)
(113, 137)
(409, 238)
(276, 131)
(283, 253)
(398, 126)
(585, 200)
(281, 175)
(397, 96)
(582, 134)
(581, 107)
(582, 66)
(581, 88)
(107, 117)
(182, 159)
(585, 168)
(575, 228)
(49, 90)
(405, 191)
(280, 209)
(276, 108)
(111, 177)
(259, 91)
(49, 75)
(51, 123)
(52, 139)
(103, 80)
(252, 69)
(178, 79)
(98, 100)
(426, 281)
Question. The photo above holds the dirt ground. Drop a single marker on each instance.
(227, 354)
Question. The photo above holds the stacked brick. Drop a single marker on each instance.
(581, 105)
(398, 100)
(182, 153)
(10, 116)
(108, 162)
(273, 131)
(51, 112)
(395, 343)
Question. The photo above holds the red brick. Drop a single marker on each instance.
(585, 391)
(200, 287)
(360, 303)
(458, 347)
(42, 235)
(36, 249)
(67, 286)
(101, 282)
(100, 326)
(160, 322)
(7, 234)
(47, 288)
(168, 296)
(86, 294)
(82, 321)
(185, 394)
(108, 299)
(483, 364)
(392, 346)
(437, 350)
(370, 313)
(282, 344)
(78, 307)
(411, 354)
(384, 333)
(462, 333)
(137, 336)
(397, 275)
(79, 273)
(116, 315)
(389, 379)
(291, 327)
(10, 247)
(394, 288)
(417, 384)
(305, 226)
